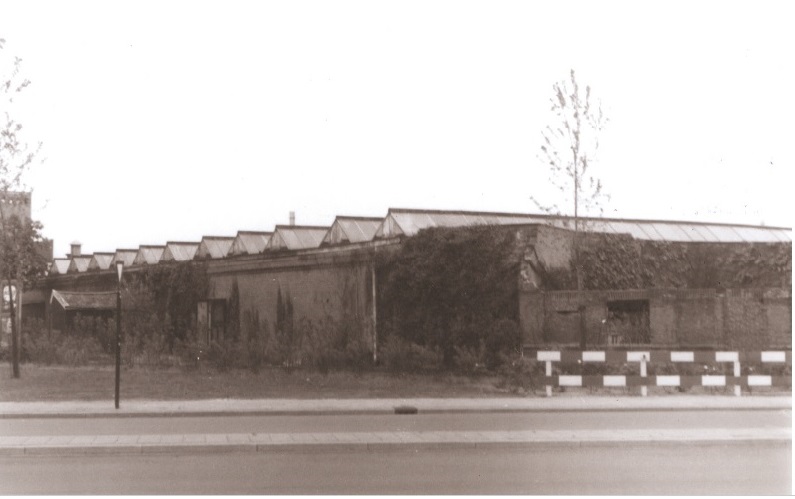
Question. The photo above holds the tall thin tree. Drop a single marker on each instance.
(16, 156)
(568, 149)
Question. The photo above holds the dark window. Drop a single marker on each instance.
(627, 322)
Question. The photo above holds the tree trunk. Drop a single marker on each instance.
(14, 335)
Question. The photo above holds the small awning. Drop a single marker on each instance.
(80, 300)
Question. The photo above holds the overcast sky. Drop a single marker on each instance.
(171, 120)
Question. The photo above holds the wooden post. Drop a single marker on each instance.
(549, 373)
(737, 373)
(644, 390)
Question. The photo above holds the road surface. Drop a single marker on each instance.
(701, 469)
(742, 467)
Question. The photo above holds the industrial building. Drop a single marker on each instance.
(331, 272)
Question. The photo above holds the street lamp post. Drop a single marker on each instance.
(119, 270)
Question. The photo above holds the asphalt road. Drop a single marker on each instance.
(753, 468)
(420, 422)
(741, 468)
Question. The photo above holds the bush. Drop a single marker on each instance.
(399, 355)
(43, 347)
(517, 373)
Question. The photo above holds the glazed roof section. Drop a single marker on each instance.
(352, 230)
(149, 254)
(214, 247)
(126, 256)
(407, 222)
(179, 251)
(296, 237)
(248, 242)
(59, 266)
(100, 261)
(79, 263)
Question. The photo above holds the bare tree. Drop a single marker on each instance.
(17, 237)
(569, 146)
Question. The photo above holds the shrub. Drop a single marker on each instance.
(399, 355)
(517, 373)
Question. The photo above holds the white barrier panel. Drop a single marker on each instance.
(593, 356)
(682, 357)
(614, 380)
(774, 357)
(570, 380)
(713, 380)
(726, 357)
(548, 356)
(760, 380)
(638, 356)
(672, 380)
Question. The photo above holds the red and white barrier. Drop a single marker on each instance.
(644, 381)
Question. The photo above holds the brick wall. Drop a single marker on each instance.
(734, 318)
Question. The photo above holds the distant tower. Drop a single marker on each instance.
(15, 204)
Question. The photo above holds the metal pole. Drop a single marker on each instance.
(118, 341)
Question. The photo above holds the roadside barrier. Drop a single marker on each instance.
(643, 358)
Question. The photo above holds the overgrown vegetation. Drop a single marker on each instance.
(451, 295)
(613, 261)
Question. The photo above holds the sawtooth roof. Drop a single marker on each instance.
(214, 247)
(352, 230)
(295, 237)
(249, 242)
(100, 261)
(126, 256)
(149, 254)
(59, 266)
(179, 251)
(79, 263)
(407, 222)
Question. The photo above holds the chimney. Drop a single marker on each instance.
(75, 249)
(292, 218)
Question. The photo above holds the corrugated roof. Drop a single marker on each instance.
(126, 256)
(249, 242)
(59, 266)
(179, 251)
(352, 230)
(407, 222)
(149, 255)
(79, 263)
(73, 300)
(295, 237)
(100, 261)
(214, 247)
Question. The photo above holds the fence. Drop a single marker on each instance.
(643, 358)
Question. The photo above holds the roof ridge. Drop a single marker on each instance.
(318, 227)
(586, 218)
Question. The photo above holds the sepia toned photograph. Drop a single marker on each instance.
(396, 247)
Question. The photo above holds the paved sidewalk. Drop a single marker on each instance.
(377, 441)
(144, 408)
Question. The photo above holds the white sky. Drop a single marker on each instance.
(171, 120)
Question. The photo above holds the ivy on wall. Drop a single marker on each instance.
(449, 288)
(170, 291)
(615, 261)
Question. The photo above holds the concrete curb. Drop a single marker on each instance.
(381, 441)
(288, 407)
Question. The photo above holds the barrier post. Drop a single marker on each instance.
(737, 387)
(644, 390)
(549, 373)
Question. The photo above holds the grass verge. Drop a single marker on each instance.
(40, 383)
